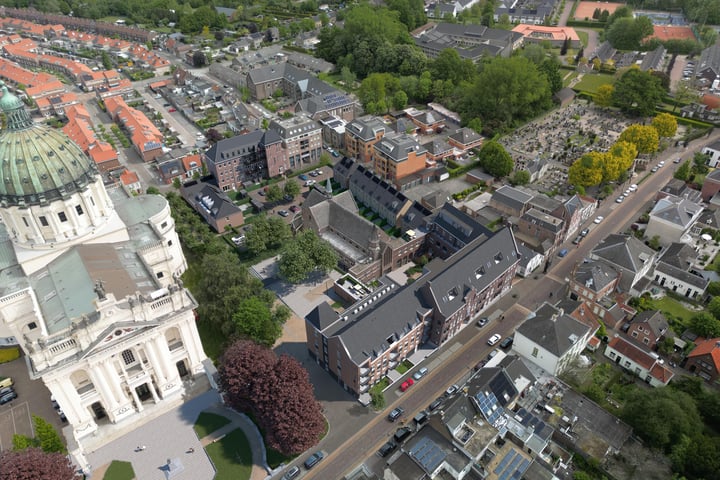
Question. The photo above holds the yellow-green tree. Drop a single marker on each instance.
(665, 124)
(645, 137)
(587, 170)
(611, 166)
(604, 95)
(625, 152)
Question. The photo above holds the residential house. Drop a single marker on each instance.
(629, 256)
(713, 153)
(543, 34)
(711, 184)
(302, 142)
(309, 63)
(333, 131)
(465, 139)
(131, 182)
(427, 121)
(144, 135)
(654, 60)
(678, 189)
(361, 135)
(213, 205)
(591, 281)
(360, 345)
(250, 157)
(708, 66)
(649, 328)
(451, 230)
(471, 41)
(80, 131)
(704, 360)
(552, 339)
(635, 359)
(677, 270)
(510, 201)
(365, 250)
(542, 231)
(671, 219)
(526, 11)
(171, 170)
(604, 52)
(192, 164)
(530, 260)
(710, 218)
(398, 156)
(438, 150)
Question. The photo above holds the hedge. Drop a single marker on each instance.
(585, 23)
(9, 354)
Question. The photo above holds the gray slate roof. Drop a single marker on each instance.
(397, 147)
(553, 330)
(710, 60)
(365, 128)
(654, 320)
(209, 198)
(466, 136)
(511, 197)
(595, 275)
(459, 224)
(624, 251)
(232, 147)
(681, 212)
(677, 261)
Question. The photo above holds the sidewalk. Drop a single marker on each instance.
(260, 469)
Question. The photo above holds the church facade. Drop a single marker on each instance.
(90, 286)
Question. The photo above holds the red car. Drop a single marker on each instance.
(171, 110)
(294, 209)
(407, 384)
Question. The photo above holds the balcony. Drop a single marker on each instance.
(364, 371)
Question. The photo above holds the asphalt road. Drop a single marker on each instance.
(470, 345)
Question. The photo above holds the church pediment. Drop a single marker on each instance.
(115, 334)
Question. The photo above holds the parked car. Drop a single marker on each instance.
(314, 459)
(401, 434)
(619, 199)
(261, 192)
(563, 252)
(313, 173)
(295, 209)
(172, 110)
(310, 183)
(294, 472)
(8, 397)
(6, 390)
(494, 339)
(407, 384)
(661, 164)
(577, 240)
(451, 390)
(420, 373)
(435, 404)
(677, 160)
(283, 213)
(395, 414)
(632, 187)
(303, 177)
(598, 219)
(387, 448)
(654, 169)
(584, 232)
(420, 418)
(6, 382)
(507, 343)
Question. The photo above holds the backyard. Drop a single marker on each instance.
(590, 82)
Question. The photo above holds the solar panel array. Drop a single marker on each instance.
(489, 406)
(428, 454)
(335, 100)
(512, 466)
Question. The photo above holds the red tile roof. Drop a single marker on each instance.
(633, 352)
(710, 347)
(129, 177)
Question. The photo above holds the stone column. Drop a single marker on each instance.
(161, 348)
(115, 380)
(101, 384)
(156, 364)
(190, 338)
(136, 399)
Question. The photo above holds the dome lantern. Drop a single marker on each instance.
(14, 109)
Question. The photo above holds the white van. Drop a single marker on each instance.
(494, 339)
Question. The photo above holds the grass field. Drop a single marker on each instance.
(231, 456)
(119, 471)
(672, 307)
(583, 37)
(208, 423)
(592, 81)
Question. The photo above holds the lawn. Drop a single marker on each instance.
(404, 367)
(212, 340)
(583, 37)
(119, 471)
(231, 456)
(670, 306)
(592, 81)
(208, 423)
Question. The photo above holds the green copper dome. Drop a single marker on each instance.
(37, 163)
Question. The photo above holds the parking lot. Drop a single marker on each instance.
(33, 399)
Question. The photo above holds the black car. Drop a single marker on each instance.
(8, 397)
(507, 343)
(435, 405)
(314, 460)
(401, 434)
(395, 414)
(387, 448)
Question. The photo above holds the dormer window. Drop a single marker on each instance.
(479, 272)
(452, 293)
(498, 257)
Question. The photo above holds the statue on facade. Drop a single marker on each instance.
(100, 289)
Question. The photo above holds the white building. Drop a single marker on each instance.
(671, 219)
(90, 288)
(633, 358)
(551, 339)
(713, 151)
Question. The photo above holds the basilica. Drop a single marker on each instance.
(90, 286)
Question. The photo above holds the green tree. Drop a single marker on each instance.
(628, 33)
(495, 160)
(550, 67)
(520, 177)
(475, 124)
(347, 76)
(254, 320)
(713, 288)
(683, 171)
(604, 95)
(400, 100)
(700, 163)
(48, 438)
(661, 416)
(21, 442)
(665, 124)
(448, 65)
(706, 324)
(267, 233)
(637, 92)
(644, 137)
(291, 188)
(274, 193)
(307, 253)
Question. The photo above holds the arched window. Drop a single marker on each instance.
(173, 338)
(81, 382)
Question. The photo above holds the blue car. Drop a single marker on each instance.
(303, 177)
(562, 252)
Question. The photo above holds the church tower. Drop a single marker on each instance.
(90, 286)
